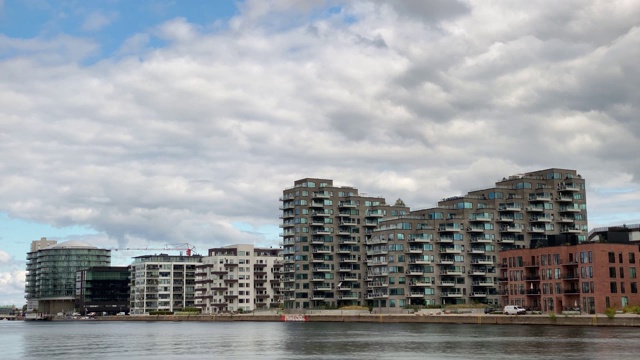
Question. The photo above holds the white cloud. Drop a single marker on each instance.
(97, 20)
(177, 143)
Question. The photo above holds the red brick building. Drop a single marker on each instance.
(589, 277)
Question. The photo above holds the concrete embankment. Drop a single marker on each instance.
(582, 320)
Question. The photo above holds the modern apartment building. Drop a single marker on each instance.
(51, 273)
(341, 248)
(449, 254)
(162, 283)
(588, 277)
(239, 278)
(325, 231)
(102, 290)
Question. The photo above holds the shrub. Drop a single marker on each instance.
(610, 312)
(552, 316)
(160, 312)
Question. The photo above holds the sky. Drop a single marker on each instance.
(153, 122)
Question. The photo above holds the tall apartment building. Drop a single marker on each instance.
(162, 283)
(449, 254)
(238, 278)
(51, 273)
(342, 248)
(588, 277)
(325, 231)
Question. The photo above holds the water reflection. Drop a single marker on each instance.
(193, 340)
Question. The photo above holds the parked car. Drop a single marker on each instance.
(514, 310)
(122, 313)
(490, 310)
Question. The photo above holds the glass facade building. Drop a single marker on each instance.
(51, 274)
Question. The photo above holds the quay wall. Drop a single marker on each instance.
(582, 320)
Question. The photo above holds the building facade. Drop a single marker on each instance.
(162, 283)
(341, 248)
(589, 277)
(449, 254)
(102, 290)
(326, 229)
(239, 278)
(51, 274)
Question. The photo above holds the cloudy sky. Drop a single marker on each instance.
(153, 122)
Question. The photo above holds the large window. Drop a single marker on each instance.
(612, 257)
(614, 287)
(612, 272)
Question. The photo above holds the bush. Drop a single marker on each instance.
(610, 312)
(160, 312)
(191, 309)
(552, 316)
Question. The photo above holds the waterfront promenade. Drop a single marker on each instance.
(600, 320)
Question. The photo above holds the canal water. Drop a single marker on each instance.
(275, 340)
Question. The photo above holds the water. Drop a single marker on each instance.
(275, 340)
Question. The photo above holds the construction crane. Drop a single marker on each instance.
(186, 247)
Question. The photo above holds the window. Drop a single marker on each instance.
(612, 272)
(622, 289)
(612, 257)
(621, 272)
(613, 287)
(634, 288)
(632, 272)
(632, 258)
(620, 258)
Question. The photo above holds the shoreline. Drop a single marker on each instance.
(478, 319)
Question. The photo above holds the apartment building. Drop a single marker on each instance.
(51, 273)
(588, 277)
(102, 290)
(326, 229)
(162, 283)
(449, 254)
(239, 278)
(342, 248)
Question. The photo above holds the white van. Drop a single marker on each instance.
(514, 310)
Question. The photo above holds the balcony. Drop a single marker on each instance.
(444, 240)
(537, 229)
(481, 239)
(416, 294)
(446, 283)
(504, 218)
(450, 249)
(510, 207)
(420, 283)
(348, 296)
(570, 229)
(535, 208)
(510, 229)
(377, 296)
(378, 284)
(540, 197)
(449, 228)
(546, 218)
(565, 219)
(445, 261)
(477, 271)
(485, 282)
(415, 271)
(321, 268)
(321, 250)
(482, 260)
(454, 271)
(348, 241)
(478, 294)
(349, 259)
(573, 208)
(414, 250)
(569, 187)
(420, 260)
(347, 204)
(322, 287)
(564, 198)
(451, 294)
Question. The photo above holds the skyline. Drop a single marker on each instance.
(132, 124)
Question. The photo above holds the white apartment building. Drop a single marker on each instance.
(162, 283)
(238, 278)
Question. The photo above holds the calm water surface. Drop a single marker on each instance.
(211, 340)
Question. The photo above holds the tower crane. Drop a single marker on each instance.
(186, 247)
